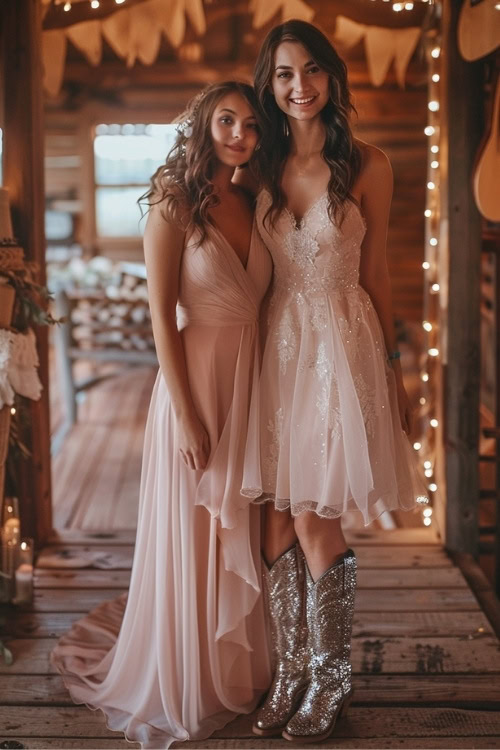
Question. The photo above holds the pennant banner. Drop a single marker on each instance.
(382, 46)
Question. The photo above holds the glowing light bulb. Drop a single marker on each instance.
(425, 376)
(436, 52)
(417, 446)
(427, 465)
(434, 422)
(119, 2)
(433, 105)
(426, 265)
(427, 521)
(409, 6)
(427, 512)
(427, 326)
(436, 77)
(428, 213)
(67, 6)
(429, 130)
(435, 149)
(422, 400)
(94, 4)
(433, 241)
(435, 287)
(431, 185)
(434, 164)
(433, 486)
(434, 352)
(397, 7)
(428, 473)
(13, 410)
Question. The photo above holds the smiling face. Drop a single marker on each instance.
(299, 85)
(234, 130)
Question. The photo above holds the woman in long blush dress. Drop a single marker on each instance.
(328, 435)
(185, 655)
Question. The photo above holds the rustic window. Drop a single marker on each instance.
(125, 157)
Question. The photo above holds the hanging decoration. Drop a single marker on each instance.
(382, 46)
(435, 290)
(133, 33)
(265, 10)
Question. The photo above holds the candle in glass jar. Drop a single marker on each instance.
(24, 584)
(25, 552)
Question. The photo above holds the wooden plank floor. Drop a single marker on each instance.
(426, 660)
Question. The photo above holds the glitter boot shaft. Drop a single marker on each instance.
(285, 598)
(330, 608)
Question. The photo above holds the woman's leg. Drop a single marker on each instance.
(322, 541)
(331, 582)
(278, 533)
(283, 579)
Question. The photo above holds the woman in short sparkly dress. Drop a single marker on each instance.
(328, 433)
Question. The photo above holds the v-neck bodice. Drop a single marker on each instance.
(215, 287)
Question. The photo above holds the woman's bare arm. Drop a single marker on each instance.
(376, 183)
(163, 247)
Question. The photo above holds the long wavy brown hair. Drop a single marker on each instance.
(183, 183)
(339, 151)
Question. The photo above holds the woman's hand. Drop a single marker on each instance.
(405, 409)
(194, 444)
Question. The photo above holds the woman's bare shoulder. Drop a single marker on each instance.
(375, 164)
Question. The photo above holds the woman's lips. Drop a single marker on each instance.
(303, 101)
(238, 149)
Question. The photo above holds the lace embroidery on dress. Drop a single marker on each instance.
(318, 314)
(275, 427)
(366, 397)
(286, 340)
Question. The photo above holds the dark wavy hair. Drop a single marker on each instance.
(339, 151)
(183, 184)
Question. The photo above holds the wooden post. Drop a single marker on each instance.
(461, 121)
(23, 176)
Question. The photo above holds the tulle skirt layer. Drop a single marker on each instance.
(325, 433)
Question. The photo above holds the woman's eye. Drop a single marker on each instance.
(226, 120)
(283, 75)
(314, 69)
(253, 125)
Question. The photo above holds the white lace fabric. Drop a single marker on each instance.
(327, 432)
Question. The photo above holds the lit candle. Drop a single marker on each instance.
(11, 531)
(24, 584)
(25, 553)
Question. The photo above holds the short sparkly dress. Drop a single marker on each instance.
(325, 432)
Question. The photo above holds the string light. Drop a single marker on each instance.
(427, 465)
(431, 185)
(435, 288)
(435, 148)
(425, 376)
(435, 77)
(94, 4)
(434, 423)
(422, 401)
(434, 164)
(427, 213)
(433, 241)
(67, 6)
(436, 52)
(427, 326)
(426, 265)
(433, 105)
(417, 446)
(433, 352)
(433, 486)
(428, 473)
(13, 410)
(427, 521)
(429, 130)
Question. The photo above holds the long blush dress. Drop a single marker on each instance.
(325, 434)
(184, 654)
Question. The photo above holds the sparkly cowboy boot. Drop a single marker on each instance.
(284, 592)
(330, 608)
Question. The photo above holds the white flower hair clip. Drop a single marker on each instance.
(185, 128)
